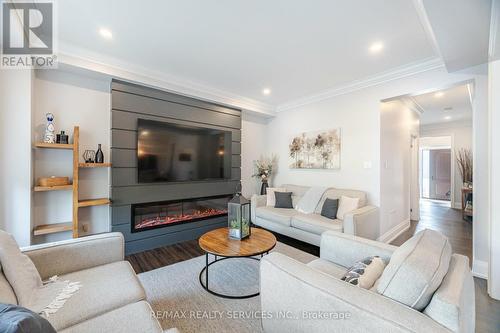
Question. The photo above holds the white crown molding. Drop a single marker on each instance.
(394, 74)
(426, 25)
(72, 56)
(412, 103)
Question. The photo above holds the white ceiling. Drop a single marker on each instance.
(295, 48)
(461, 29)
(433, 106)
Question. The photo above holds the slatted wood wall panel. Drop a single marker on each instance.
(130, 102)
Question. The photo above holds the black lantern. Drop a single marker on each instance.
(239, 217)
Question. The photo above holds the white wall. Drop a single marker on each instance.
(15, 153)
(75, 100)
(461, 137)
(481, 177)
(357, 116)
(357, 113)
(253, 143)
(494, 269)
(398, 124)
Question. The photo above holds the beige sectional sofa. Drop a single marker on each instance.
(328, 304)
(111, 298)
(363, 222)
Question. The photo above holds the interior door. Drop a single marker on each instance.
(440, 174)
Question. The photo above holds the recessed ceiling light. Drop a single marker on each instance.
(439, 94)
(266, 91)
(376, 47)
(447, 118)
(105, 33)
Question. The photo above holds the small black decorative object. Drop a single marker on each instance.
(263, 187)
(99, 156)
(89, 156)
(62, 138)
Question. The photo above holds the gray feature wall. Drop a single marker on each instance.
(130, 102)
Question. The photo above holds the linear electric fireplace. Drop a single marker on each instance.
(147, 216)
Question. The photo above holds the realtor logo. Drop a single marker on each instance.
(28, 35)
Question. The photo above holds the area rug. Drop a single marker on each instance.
(178, 300)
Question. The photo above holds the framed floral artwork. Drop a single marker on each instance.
(316, 150)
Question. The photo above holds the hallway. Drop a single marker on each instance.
(438, 216)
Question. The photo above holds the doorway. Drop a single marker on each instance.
(444, 130)
(436, 169)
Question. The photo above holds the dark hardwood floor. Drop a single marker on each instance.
(432, 216)
(449, 222)
(168, 255)
(164, 256)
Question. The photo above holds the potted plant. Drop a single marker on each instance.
(464, 161)
(263, 169)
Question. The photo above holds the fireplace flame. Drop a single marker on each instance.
(162, 220)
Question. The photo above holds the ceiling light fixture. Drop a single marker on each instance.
(439, 94)
(266, 91)
(376, 47)
(447, 118)
(105, 33)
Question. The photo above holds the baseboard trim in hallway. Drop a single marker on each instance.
(395, 231)
(480, 269)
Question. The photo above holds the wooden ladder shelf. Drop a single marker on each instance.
(73, 226)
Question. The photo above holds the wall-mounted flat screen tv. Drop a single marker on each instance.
(168, 152)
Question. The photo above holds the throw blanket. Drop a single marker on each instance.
(44, 298)
(307, 204)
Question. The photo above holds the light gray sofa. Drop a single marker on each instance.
(363, 222)
(111, 298)
(294, 295)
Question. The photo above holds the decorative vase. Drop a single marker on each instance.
(99, 156)
(49, 136)
(264, 186)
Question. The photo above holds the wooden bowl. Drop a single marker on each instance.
(53, 181)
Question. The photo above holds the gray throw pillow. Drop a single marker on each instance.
(365, 273)
(16, 319)
(283, 200)
(330, 207)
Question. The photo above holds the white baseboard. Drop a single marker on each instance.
(457, 205)
(480, 269)
(397, 230)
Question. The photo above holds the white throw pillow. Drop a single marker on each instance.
(365, 273)
(346, 205)
(271, 198)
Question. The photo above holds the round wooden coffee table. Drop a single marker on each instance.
(218, 244)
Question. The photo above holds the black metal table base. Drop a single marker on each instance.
(205, 269)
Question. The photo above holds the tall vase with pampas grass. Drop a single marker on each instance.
(464, 161)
